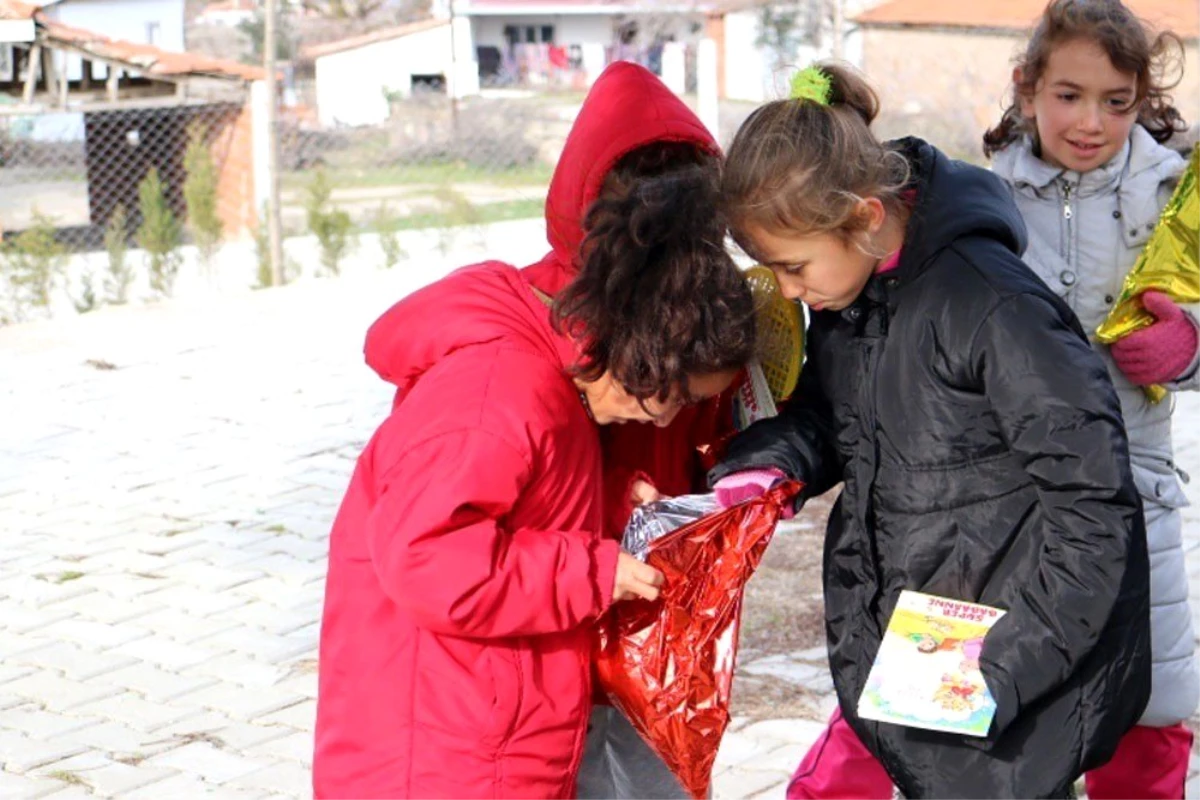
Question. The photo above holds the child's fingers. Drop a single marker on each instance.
(647, 574)
(646, 591)
(644, 492)
(635, 579)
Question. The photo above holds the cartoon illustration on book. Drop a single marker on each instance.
(926, 673)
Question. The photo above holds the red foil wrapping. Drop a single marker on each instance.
(669, 665)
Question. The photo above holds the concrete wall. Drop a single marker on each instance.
(351, 85)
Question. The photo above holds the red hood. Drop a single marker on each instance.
(628, 107)
(478, 304)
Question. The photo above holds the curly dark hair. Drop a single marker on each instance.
(658, 298)
(1131, 47)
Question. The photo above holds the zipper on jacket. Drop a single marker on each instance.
(1068, 213)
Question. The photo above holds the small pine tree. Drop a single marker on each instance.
(331, 226)
(262, 253)
(200, 195)
(159, 234)
(389, 238)
(35, 260)
(86, 300)
(459, 214)
(120, 274)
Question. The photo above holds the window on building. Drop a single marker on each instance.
(511, 35)
(429, 84)
(548, 34)
(530, 34)
(153, 32)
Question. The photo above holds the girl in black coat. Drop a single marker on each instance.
(977, 435)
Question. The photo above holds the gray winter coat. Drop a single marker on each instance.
(1085, 232)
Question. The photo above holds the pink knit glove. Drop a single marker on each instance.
(1162, 352)
(747, 485)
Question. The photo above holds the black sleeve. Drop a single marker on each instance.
(799, 442)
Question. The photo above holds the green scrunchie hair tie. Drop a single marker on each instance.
(811, 83)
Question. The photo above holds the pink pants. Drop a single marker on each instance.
(1150, 763)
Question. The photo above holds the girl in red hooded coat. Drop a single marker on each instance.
(468, 559)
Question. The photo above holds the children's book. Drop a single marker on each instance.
(926, 674)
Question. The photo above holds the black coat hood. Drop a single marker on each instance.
(954, 200)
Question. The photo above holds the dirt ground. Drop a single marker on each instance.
(784, 613)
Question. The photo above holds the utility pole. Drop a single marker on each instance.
(274, 227)
(839, 23)
(452, 82)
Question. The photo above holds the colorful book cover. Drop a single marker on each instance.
(926, 674)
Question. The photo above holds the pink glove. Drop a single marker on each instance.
(747, 485)
(1162, 352)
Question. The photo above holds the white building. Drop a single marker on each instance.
(510, 35)
(513, 36)
(155, 22)
(355, 77)
(754, 72)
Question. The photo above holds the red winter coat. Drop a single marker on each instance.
(466, 563)
(626, 109)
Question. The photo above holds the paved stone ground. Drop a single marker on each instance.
(168, 476)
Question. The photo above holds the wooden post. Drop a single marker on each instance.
(113, 82)
(50, 72)
(35, 63)
(64, 81)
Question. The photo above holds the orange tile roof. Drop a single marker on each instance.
(143, 58)
(1181, 16)
(14, 9)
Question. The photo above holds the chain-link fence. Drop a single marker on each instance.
(431, 164)
(107, 206)
(78, 170)
(93, 203)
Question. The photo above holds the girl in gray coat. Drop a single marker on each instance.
(1081, 148)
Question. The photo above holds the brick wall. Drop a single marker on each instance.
(233, 155)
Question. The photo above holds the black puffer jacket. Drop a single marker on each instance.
(984, 459)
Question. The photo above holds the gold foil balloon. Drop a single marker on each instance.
(1170, 263)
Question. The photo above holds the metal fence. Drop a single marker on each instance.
(77, 170)
(170, 190)
(433, 163)
(155, 178)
